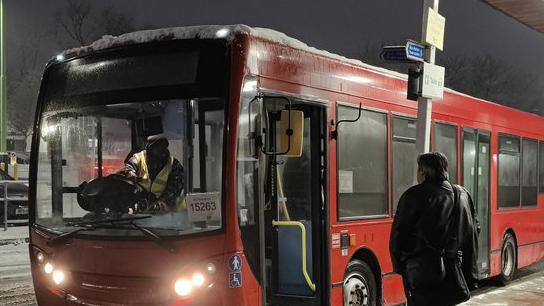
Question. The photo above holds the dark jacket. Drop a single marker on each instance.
(426, 210)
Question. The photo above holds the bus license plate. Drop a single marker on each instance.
(21, 211)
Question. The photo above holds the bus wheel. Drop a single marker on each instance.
(359, 285)
(508, 259)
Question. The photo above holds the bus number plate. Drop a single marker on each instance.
(204, 207)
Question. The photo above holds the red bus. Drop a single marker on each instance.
(294, 160)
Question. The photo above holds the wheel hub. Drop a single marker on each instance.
(356, 291)
(507, 261)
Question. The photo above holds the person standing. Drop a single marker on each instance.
(433, 241)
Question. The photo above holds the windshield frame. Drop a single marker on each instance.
(142, 96)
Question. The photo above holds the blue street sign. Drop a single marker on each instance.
(394, 53)
(411, 52)
(415, 51)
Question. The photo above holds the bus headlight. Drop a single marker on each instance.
(183, 287)
(48, 268)
(198, 279)
(40, 257)
(58, 277)
(195, 280)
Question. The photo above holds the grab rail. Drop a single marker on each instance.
(303, 233)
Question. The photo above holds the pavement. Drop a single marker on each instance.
(14, 235)
(16, 282)
(527, 289)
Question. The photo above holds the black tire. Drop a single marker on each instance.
(359, 285)
(509, 259)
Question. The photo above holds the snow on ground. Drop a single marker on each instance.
(13, 233)
(15, 279)
(17, 292)
(14, 260)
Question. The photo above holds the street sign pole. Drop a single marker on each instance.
(3, 84)
(425, 105)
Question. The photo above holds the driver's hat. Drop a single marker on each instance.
(156, 142)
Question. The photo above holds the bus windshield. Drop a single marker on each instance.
(92, 160)
(108, 154)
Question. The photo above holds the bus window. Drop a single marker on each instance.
(529, 154)
(509, 178)
(362, 164)
(403, 156)
(446, 142)
(85, 144)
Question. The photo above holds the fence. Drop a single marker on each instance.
(6, 198)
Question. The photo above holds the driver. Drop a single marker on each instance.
(159, 173)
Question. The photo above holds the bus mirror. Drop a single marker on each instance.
(291, 135)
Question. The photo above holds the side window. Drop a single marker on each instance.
(403, 158)
(541, 167)
(509, 176)
(529, 172)
(362, 164)
(446, 142)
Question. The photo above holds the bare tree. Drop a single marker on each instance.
(74, 20)
(490, 78)
(80, 22)
(23, 85)
(113, 22)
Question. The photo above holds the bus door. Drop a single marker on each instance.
(293, 207)
(476, 163)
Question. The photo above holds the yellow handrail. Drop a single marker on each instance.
(283, 205)
(303, 233)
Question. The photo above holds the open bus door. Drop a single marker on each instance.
(293, 205)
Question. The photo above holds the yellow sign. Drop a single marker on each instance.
(434, 30)
(12, 158)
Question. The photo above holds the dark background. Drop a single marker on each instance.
(486, 54)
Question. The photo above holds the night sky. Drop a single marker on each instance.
(343, 27)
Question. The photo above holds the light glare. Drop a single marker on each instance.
(211, 268)
(222, 33)
(48, 268)
(40, 257)
(60, 57)
(198, 279)
(58, 277)
(183, 287)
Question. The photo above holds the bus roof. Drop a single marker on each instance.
(229, 32)
(215, 32)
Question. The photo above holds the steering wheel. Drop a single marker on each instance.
(114, 192)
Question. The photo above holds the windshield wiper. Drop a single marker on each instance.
(112, 221)
(62, 238)
(115, 223)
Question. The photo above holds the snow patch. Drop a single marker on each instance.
(216, 32)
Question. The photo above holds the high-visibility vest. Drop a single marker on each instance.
(158, 185)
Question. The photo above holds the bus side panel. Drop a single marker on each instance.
(393, 289)
(366, 236)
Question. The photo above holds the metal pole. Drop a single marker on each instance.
(3, 83)
(5, 206)
(424, 105)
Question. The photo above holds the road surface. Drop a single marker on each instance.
(16, 283)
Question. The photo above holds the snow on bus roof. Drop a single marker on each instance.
(226, 32)
(211, 32)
